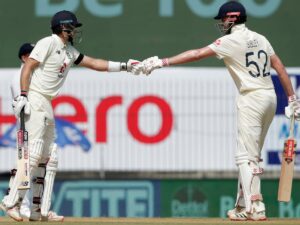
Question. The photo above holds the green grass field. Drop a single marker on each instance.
(155, 221)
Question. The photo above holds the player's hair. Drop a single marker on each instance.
(241, 20)
(56, 29)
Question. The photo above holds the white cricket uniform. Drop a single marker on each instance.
(246, 55)
(56, 59)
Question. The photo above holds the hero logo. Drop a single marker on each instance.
(101, 116)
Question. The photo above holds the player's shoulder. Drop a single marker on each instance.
(46, 40)
(258, 35)
(226, 39)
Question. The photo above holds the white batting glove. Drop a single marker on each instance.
(20, 103)
(153, 63)
(134, 66)
(293, 108)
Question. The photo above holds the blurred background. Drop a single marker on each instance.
(157, 146)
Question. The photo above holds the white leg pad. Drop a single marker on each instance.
(37, 187)
(36, 150)
(250, 183)
(255, 186)
(35, 157)
(49, 181)
(240, 201)
(16, 196)
(26, 204)
(12, 177)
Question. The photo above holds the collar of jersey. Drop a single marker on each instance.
(238, 28)
(59, 41)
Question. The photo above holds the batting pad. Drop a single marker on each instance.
(49, 181)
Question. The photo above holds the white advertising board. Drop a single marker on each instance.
(177, 119)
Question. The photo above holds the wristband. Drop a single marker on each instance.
(165, 62)
(292, 98)
(114, 66)
(24, 93)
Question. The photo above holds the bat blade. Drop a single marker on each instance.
(287, 170)
(23, 171)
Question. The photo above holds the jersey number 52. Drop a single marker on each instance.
(253, 59)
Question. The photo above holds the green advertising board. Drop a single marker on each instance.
(213, 198)
(159, 198)
(122, 29)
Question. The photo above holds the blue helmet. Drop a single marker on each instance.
(64, 17)
(25, 49)
(66, 21)
(232, 8)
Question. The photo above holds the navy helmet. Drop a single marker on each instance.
(25, 49)
(232, 8)
(64, 17)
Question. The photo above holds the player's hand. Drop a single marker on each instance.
(134, 66)
(19, 103)
(153, 63)
(293, 107)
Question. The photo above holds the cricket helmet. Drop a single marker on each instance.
(63, 18)
(230, 13)
(25, 49)
(232, 8)
(66, 21)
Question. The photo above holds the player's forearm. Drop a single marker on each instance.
(191, 56)
(95, 64)
(282, 75)
(103, 65)
(25, 79)
(26, 72)
(286, 84)
(109, 66)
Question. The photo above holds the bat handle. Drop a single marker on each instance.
(22, 119)
(292, 125)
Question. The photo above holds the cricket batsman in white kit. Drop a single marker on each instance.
(248, 57)
(23, 55)
(42, 77)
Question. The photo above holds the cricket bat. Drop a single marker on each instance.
(287, 165)
(23, 171)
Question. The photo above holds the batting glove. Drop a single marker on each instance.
(19, 103)
(293, 108)
(153, 63)
(134, 66)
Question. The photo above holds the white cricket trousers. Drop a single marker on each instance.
(41, 124)
(255, 112)
(41, 127)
